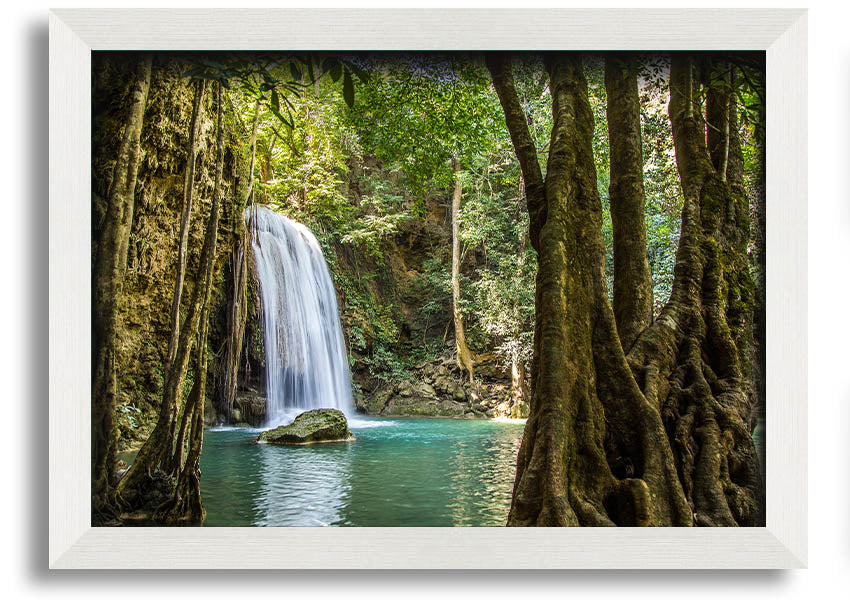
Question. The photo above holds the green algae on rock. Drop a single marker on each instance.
(313, 426)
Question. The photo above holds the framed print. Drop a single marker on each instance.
(361, 288)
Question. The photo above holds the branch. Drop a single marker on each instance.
(500, 69)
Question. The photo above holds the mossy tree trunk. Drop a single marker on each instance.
(464, 356)
(110, 262)
(695, 360)
(168, 407)
(655, 437)
(186, 504)
(632, 279)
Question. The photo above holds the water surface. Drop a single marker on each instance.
(399, 472)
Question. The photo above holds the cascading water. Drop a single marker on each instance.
(306, 362)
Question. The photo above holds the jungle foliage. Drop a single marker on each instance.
(466, 205)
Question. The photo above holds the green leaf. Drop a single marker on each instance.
(310, 72)
(295, 72)
(361, 74)
(348, 89)
(335, 69)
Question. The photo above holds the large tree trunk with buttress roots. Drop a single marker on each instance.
(694, 361)
(655, 437)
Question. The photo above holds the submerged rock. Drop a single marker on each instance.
(313, 426)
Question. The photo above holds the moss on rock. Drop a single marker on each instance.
(313, 426)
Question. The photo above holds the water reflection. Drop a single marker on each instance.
(303, 485)
(399, 472)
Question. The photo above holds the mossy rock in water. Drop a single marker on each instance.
(311, 427)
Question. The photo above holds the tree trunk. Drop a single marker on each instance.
(757, 261)
(632, 278)
(110, 262)
(188, 192)
(168, 409)
(563, 471)
(464, 356)
(693, 361)
(519, 391)
(596, 450)
(187, 506)
(501, 71)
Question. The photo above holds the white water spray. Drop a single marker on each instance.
(306, 362)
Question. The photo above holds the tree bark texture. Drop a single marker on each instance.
(632, 278)
(464, 356)
(655, 437)
(186, 505)
(110, 262)
(693, 362)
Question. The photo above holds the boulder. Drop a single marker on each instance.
(313, 426)
(249, 407)
(443, 384)
(424, 389)
(373, 404)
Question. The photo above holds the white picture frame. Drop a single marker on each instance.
(75, 33)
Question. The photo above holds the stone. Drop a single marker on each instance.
(424, 389)
(311, 427)
(373, 404)
(250, 407)
(442, 383)
(423, 407)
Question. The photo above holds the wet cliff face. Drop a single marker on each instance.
(408, 294)
(152, 256)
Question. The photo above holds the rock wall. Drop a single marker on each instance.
(440, 388)
(143, 329)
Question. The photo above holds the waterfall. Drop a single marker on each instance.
(306, 361)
